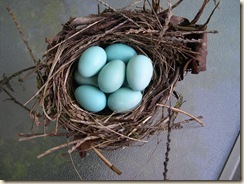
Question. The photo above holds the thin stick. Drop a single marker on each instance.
(106, 161)
(183, 112)
(199, 13)
(122, 135)
(33, 137)
(15, 101)
(149, 117)
(63, 146)
(105, 4)
(211, 15)
(5, 79)
(132, 4)
(20, 32)
(174, 125)
(80, 31)
(173, 6)
(57, 148)
(168, 144)
(77, 172)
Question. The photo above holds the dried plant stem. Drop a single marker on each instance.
(198, 15)
(178, 124)
(106, 161)
(76, 170)
(171, 119)
(183, 112)
(132, 4)
(57, 148)
(6, 80)
(128, 18)
(33, 136)
(12, 98)
(64, 145)
(20, 32)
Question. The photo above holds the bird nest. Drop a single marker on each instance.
(174, 44)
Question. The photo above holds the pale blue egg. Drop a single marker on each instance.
(90, 98)
(112, 76)
(91, 61)
(139, 72)
(79, 79)
(120, 51)
(124, 99)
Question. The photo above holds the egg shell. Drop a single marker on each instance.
(112, 76)
(120, 51)
(139, 72)
(91, 61)
(90, 98)
(79, 79)
(124, 99)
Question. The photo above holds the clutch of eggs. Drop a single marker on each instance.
(113, 77)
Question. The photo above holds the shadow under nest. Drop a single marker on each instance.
(174, 44)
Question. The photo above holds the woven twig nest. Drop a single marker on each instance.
(174, 44)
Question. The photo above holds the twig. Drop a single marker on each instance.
(62, 146)
(122, 135)
(6, 80)
(173, 6)
(57, 148)
(132, 4)
(32, 137)
(106, 161)
(210, 15)
(20, 32)
(174, 125)
(155, 5)
(77, 33)
(14, 100)
(105, 4)
(183, 112)
(77, 172)
(168, 144)
(25, 137)
(199, 13)
(143, 122)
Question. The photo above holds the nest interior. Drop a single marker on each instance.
(174, 44)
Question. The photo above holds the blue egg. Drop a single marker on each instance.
(120, 51)
(124, 100)
(112, 76)
(79, 79)
(139, 72)
(91, 61)
(90, 98)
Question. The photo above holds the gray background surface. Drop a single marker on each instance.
(196, 153)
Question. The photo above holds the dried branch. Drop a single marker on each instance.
(12, 98)
(169, 123)
(106, 161)
(20, 32)
(183, 112)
